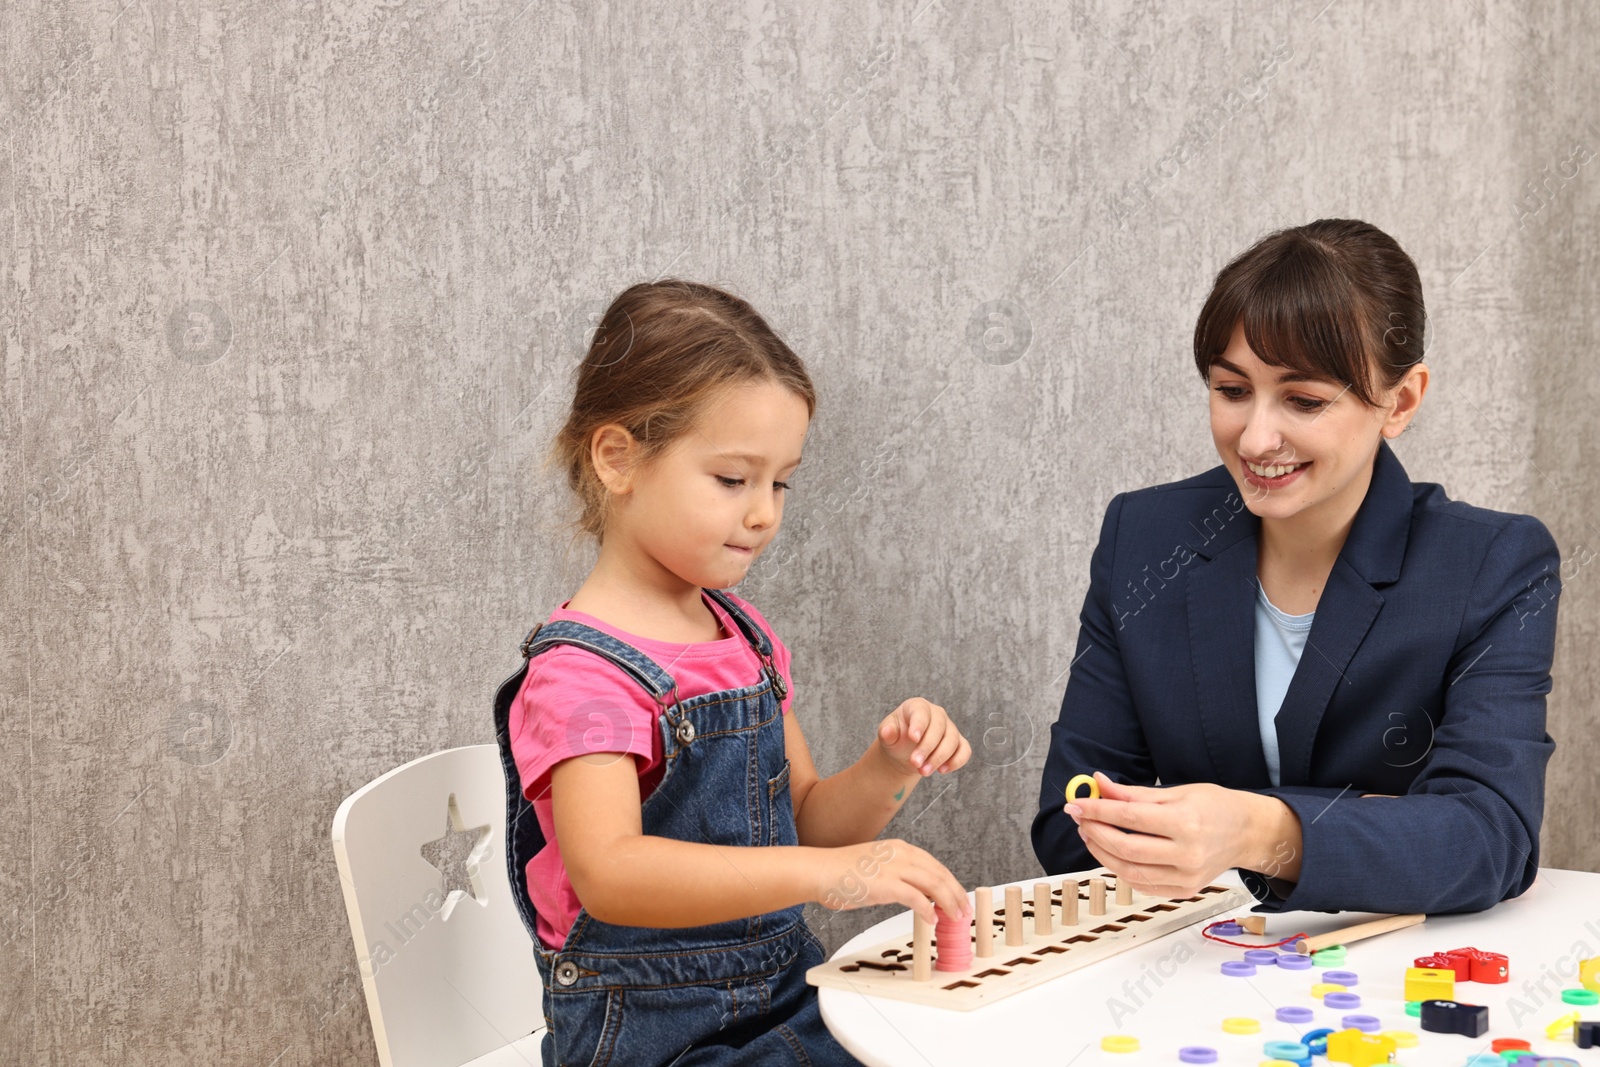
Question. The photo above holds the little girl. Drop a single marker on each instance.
(679, 822)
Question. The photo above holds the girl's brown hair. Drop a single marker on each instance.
(662, 351)
(1336, 299)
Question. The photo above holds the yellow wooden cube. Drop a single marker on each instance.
(1589, 974)
(1359, 1049)
(1426, 983)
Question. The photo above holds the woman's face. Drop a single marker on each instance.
(1299, 447)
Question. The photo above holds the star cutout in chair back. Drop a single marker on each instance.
(457, 855)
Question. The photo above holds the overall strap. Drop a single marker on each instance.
(756, 636)
(642, 668)
(752, 633)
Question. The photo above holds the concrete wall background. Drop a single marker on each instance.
(291, 291)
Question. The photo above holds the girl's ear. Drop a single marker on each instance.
(613, 450)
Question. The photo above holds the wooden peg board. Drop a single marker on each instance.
(884, 969)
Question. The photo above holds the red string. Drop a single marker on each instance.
(1208, 935)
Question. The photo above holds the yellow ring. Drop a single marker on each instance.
(1083, 779)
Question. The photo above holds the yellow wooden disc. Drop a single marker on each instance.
(1401, 1038)
(1119, 1043)
(1322, 989)
(1240, 1024)
(1562, 1027)
(1083, 779)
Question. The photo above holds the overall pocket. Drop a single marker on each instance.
(780, 810)
(585, 1027)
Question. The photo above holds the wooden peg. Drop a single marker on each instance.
(1254, 924)
(983, 905)
(1124, 891)
(921, 948)
(1069, 902)
(1014, 915)
(1097, 896)
(1041, 907)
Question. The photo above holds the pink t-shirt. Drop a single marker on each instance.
(574, 702)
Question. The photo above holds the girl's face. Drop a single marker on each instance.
(711, 503)
(1297, 446)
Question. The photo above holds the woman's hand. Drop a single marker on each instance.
(1174, 840)
(919, 738)
(890, 872)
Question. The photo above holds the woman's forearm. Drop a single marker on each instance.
(1274, 844)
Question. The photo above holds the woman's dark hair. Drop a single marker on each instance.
(662, 352)
(1337, 299)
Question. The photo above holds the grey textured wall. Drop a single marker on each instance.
(291, 291)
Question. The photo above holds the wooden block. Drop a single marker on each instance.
(1254, 924)
(1014, 915)
(1124, 891)
(921, 949)
(983, 909)
(1042, 908)
(1069, 902)
(1097, 896)
(887, 969)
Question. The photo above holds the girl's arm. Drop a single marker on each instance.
(628, 878)
(916, 739)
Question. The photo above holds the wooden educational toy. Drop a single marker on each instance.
(1033, 951)
(1589, 974)
(1469, 965)
(1427, 983)
(1449, 1017)
(1351, 1046)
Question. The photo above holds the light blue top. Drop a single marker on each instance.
(1280, 639)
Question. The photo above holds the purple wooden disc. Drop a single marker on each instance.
(1227, 929)
(1293, 961)
(1197, 1054)
(1294, 1014)
(1344, 978)
(1261, 957)
(1342, 1001)
(1238, 968)
(1367, 1024)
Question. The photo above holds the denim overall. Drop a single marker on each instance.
(725, 993)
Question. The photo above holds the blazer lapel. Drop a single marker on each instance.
(1345, 612)
(1371, 556)
(1222, 650)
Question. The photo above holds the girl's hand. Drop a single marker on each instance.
(889, 872)
(1173, 841)
(919, 738)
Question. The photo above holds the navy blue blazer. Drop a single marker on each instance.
(1423, 677)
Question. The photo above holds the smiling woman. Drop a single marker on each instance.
(1337, 676)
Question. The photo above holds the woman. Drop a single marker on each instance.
(1337, 675)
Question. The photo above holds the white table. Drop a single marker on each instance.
(1171, 993)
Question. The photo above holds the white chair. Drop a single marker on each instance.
(449, 975)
